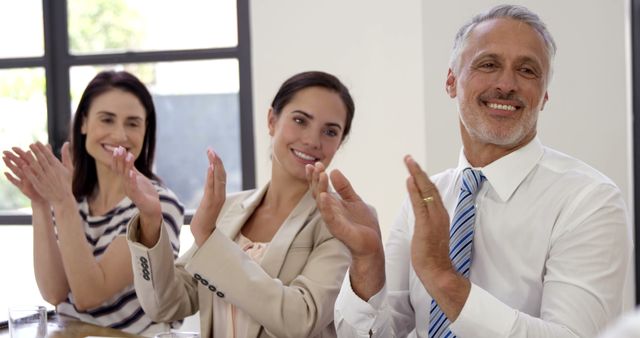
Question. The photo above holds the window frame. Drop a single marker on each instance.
(57, 62)
(634, 6)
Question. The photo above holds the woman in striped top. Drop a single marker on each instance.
(80, 211)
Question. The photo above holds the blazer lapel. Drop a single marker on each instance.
(276, 252)
(232, 221)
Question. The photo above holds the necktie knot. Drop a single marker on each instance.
(472, 180)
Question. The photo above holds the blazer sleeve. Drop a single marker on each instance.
(165, 291)
(301, 309)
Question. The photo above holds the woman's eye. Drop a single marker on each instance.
(331, 133)
(298, 120)
(488, 65)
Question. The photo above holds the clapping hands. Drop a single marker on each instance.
(39, 174)
(347, 216)
(204, 220)
(354, 223)
(140, 191)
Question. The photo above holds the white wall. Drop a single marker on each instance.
(393, 55)
(375, 47)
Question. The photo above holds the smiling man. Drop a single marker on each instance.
(518, 240)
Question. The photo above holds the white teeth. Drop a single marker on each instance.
(304, 156)
(501, 106)
(112, 148)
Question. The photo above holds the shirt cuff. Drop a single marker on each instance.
(357, 313)
(483, 315)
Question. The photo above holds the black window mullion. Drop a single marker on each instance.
(635, 86)
(56, 46)
(29, 62)
(246, 97)
(155, 56)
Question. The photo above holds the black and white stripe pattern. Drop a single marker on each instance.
(123, 311)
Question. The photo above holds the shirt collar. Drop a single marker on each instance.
(506, 173)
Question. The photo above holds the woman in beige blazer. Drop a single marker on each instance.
(263, 263)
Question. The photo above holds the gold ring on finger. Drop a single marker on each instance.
(427, 200)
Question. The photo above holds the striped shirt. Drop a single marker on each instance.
(123, 310)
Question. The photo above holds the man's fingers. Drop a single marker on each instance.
(343, 187)
(425, 187)
(420, 205)
(211, 155)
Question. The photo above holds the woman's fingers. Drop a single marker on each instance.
(13, 162)
(66, 156)
(13, 180)
(314, 173)
(118, 160)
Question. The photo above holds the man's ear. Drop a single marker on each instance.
(271, 121)
(544, 100)
(450, 85)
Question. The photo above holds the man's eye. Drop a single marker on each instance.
(527, 70)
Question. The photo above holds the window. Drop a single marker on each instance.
(193, 56)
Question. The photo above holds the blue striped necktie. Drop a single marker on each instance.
(460, 244)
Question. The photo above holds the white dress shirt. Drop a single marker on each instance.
(549, 259)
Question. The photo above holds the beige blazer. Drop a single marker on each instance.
(291, 293)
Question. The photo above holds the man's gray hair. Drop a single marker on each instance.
(515, 12)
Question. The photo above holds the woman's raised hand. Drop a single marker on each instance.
(204, 220)
(15, 160)
(39, 174)
(142, 193)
